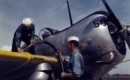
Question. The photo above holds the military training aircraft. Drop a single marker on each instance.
(102, 44)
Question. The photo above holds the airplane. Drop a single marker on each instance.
(103, 42)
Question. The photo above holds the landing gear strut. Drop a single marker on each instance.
(43, 72)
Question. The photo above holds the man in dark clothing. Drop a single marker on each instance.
(25, 32)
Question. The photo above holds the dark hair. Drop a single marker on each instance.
(76, 43)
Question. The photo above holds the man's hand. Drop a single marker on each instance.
(63, 74)
(33, 42)
(57, 53)
(20, 50)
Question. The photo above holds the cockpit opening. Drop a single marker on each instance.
(46, 32)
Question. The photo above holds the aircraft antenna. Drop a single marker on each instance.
(70, 17)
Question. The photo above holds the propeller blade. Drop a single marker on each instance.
(112, 16)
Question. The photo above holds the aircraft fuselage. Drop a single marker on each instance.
(97, 45)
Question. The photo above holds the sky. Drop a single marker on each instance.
(53, 14)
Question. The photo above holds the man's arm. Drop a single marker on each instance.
(17, 38)
(77, 66)
(70, 75)
(33, 32)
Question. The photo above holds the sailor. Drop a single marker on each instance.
(25, 32)
(75, 67)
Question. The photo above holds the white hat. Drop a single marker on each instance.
(27, 21)
(73, 38)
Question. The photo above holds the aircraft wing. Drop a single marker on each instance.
(15, 66)
(26, 57)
